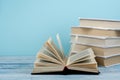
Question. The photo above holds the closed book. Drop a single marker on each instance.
(95, 40)
(99, 51)
(100, 23)
(95, 31)
(108, 61)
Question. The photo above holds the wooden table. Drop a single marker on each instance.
(20, 67)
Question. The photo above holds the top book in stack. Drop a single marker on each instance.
(100, 24)
(98, 27)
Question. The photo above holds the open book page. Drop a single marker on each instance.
(47, 69)
(80, 56)
(51, 52)
(88, 66)
(85, 68)
(54, 48)
(60, 46)
(83, 61)
(45, 63)
(48, 59)
(46, 56)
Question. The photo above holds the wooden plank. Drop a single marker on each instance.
(17, 59)
(17, 67)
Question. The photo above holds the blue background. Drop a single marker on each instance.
(26, 24)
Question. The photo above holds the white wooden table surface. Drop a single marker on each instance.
(20, 67)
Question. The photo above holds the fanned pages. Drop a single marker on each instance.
(51, 59)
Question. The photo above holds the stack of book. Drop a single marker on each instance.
(103, 36)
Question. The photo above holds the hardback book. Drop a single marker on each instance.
(95, 31)
(99, 41)
(100, 23)
(109, 61)
(99, 51)
(52, 60)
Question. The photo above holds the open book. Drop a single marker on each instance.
(51, 59)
